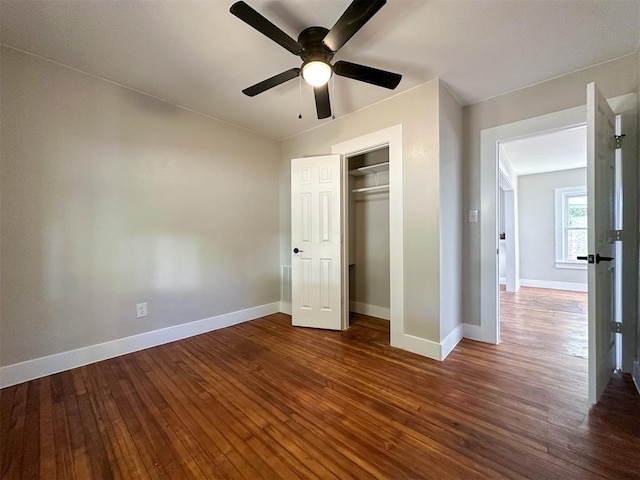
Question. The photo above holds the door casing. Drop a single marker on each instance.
(392, 138)
(489, 328)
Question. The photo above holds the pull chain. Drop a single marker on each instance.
(333, 94)
(300, 97)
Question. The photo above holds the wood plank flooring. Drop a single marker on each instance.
(266, 400)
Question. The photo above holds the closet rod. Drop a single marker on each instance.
(370, 189)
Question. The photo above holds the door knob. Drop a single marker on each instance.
(297, 250)
(581, 258)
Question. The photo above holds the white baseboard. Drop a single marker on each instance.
(636, 375)
(59, 362)
(431, 349)
(575, 287)
(502, 280)
(476, 332)
(371, 310)
(450, 342)
(421, 346)
(285, 307)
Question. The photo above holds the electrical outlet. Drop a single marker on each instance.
(141, 310)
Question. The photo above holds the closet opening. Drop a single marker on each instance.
(367, 200)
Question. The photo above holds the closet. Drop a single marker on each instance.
(368, 217)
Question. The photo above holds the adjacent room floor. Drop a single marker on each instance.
(265, 400)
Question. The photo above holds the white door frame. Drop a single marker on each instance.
(489, 144)
(510, 212)
(389, 137)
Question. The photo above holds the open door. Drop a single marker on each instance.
(601, 146)
(316, 258)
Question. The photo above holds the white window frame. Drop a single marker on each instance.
(561, 197)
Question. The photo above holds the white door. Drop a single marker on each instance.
(601, 204)
(316, 257)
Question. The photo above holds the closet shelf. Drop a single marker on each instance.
(369, 169)
(371, 189)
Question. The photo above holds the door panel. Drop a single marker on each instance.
(601, 211)
(316, 259)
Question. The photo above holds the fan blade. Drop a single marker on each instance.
(248, 15)
(371, 75)
(323, 105)
(271, 82)
(352, 20)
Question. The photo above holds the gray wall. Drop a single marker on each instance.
(536, 204)
(614, 78)
(369, 281)
(111, 198)
(637, 180)
(450, 210)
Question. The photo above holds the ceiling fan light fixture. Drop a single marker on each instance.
(316, 73)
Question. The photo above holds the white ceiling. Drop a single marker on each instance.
(197, 55)
(548, 152)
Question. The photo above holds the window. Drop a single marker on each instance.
(571, 226)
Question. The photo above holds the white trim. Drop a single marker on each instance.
(59, 362)
(572, 286)
(371, 310)
(475, 332)
(561, 196)
(449, 343)
(285, 307)
(391, 137)
(422, 346)
(431, 349)
(502, 280)
(636, 375)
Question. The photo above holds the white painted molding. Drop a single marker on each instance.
(371, 310)
(450, 342)
(572, 286)
(503, 280)
(477, 333)
(391, 137)
(422, 346)
(59, 362)
(636, 375)
(285, 307)
(431, 349)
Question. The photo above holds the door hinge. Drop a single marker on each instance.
(619, 140)
(617, 327)
(616, 235)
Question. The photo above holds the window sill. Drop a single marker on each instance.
(572, 265)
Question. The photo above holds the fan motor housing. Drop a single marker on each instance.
(312, 47)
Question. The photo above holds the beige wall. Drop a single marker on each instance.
(111, 198)
(451, 212)
(536, 208)
(637, 339)
(614, 78)
(417, 111)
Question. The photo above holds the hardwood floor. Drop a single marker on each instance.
(265, 400)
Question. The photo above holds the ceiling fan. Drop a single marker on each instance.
(316, 46)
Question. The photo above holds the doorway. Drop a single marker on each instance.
(542, 225)
(489, 329)
(392, 139)
(368, 233)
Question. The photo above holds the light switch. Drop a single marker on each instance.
(473, 216)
